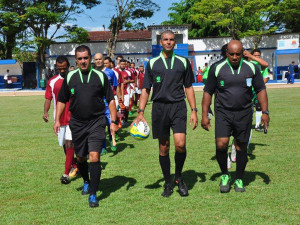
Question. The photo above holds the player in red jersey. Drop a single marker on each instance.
(125, 89)
(64, 136)
(132, 87)
(140, 80)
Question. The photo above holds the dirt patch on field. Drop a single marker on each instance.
(197, 88)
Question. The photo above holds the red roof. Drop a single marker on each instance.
(123, 35)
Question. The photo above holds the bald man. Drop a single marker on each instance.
(231, 81)
(99, 64)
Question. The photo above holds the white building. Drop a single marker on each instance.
(138, 46)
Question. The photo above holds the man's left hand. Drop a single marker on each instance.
(265, 119)
(194, 119)
(113, 128)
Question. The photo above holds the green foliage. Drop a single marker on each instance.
(286, 15)
(76, 34)
(236, 18)
(31, 164)
(12, 23)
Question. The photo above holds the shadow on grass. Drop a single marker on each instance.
(190, 178)
(122, 146)
(251, 149)
(249, 177)
(110, 185)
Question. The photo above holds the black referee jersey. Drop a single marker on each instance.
(233, 87)
(168, 76)
(86, 92)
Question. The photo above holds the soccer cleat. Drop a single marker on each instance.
(225, 183)
(65, 179)
(168, 190)
(130, 113)
(182, 188)
(93, 202)
(73, 172)
(238, 186)
(103, 151)
(86, 188)
(259, 128)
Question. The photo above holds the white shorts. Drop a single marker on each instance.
(126, 100)
(64, 134)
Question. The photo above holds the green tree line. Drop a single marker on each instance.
(236, 18)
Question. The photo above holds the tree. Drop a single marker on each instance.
(181, 14)
(126, 12)
(11, 25)
(42, 15)
(286, 15)
(237, 17)
(76, 34)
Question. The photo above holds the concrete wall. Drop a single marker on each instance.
(137, 51)
(207, 50)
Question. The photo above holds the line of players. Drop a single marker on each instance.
(126, 81)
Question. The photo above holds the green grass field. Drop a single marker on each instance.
(31, 163)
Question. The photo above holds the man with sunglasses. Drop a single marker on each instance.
(86, 89)
(231, 81)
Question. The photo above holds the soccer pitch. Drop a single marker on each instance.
(31, 164)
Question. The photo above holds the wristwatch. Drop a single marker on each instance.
(195, 109)
(140, 110)
(115, 122)
(266, 112)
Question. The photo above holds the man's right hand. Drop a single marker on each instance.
(56, 127)
(140, 117)
(46, 117)
(205, 123)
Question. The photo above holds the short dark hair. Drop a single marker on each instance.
(123, 60)
(223, 50)
(83, 48)
(255, 50)
(132, 63)
(108, 58)
(120, 56)
(166, 32)
(61, 59)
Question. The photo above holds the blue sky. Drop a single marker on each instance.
(101, 15)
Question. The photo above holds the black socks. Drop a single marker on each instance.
(165, 167)
(241, 162)
(95, 172)
(221, 155)
(179, 162)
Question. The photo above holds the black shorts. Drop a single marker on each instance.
(166, 116)
(88, 136)
(233, 123)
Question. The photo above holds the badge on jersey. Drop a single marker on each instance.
(158, 79)
(222, 83)
(249, 82)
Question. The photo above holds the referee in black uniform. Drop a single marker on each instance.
(232, 80)
(169, 74)
(86, 88)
